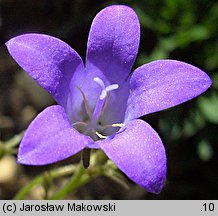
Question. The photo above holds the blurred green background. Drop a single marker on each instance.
(185, 30)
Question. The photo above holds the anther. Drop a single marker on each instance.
(114, 125)
(118, 125)
(100, 135)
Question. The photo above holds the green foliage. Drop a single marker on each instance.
(209, 107)
(205, 151)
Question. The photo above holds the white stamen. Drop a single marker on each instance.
(118, 125)
(100, 135)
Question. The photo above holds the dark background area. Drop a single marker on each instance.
(185, 30)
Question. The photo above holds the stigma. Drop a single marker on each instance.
(99, 107)
(105, 90)
(91, 124)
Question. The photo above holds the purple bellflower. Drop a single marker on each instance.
(99, 103)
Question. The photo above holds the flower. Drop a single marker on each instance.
(99, 103)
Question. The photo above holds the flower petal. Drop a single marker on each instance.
(113, 42)
(48, 60)
(163, 84)
(138, 151)
(50, 138)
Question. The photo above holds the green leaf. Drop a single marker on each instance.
(205, 151)
(209, 107)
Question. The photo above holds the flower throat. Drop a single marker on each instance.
(91, 126)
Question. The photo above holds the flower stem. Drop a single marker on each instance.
(99, 165)
(10, 146)
(13, 142)
(58, 172)
(78, 179)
